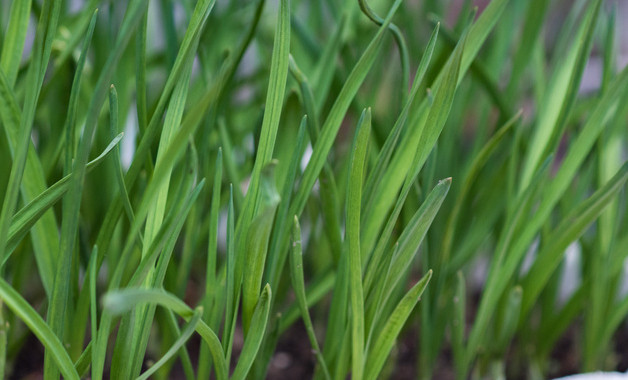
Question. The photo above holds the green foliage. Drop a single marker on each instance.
(344, 193)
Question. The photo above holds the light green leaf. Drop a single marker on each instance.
(257, 245)
(28, 215)
(13, 46)
(253, 340)
(386, 339)
(176, 346)
(570, 229)
(298, 284)
(36, 324)
(357, 168)
(119, 302)
(561, 94)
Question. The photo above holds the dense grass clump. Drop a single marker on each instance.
(188, 185)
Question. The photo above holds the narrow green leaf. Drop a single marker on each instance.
(212, 246)
(386, 339)
(410, 240)
(412, 236)
(572, 227)
(491, 295)
(354, 203)
(70, 121)
(298, 284)
(93, 300)
(532, 27)
(172, 225)
(400, 163)
(155, 214)
(254, 337)
(26, 171)
(507, 320)
(36, 324)
(399, 40)
(501, 273)
(276, 251)
(336, 115)
(176, 346)
(318, 288)
(387, 150)
(13, 46)
(270, 122)
(30, 214)
(478, 162)
(231, 297)
(57, 310)
(119, 302)
(561, 94)
(326, 65)
(328, 191)
(458, 324)
(257, 245)
(429, 129)
(113, 130)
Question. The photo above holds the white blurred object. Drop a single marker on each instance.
(597, 376)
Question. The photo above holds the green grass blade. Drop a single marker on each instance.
(326, 65)
(354, 203)
(615, 319)
(272, 114)
(231, 299)
(72, 200)
(70, 120)
(608, 162)
(479, 32)
(27, 174)
(336, 114)
(180, 342)
(458, 324)
(46, 336)
(413, 235)
(171, 123)
(30, 214)
(119, 302)
(400, 163)
(326, 179)
(212, 246)
(604, 110)
(386, 339)
(562, 94)
(257, 245)
(532, 27)
(168, 231)
(157, 205)
(113, 130)
(171, 227)
(474, 168)
(170, 239)
(391, 141)
(93, 300)
(572, 227)
(233, 175)
(13, 46)
(276, 258)
(314, 293)
(399, 40)
(491, 296)
(508, 319)
(430, 128)
(254, 337)
(298, 284)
